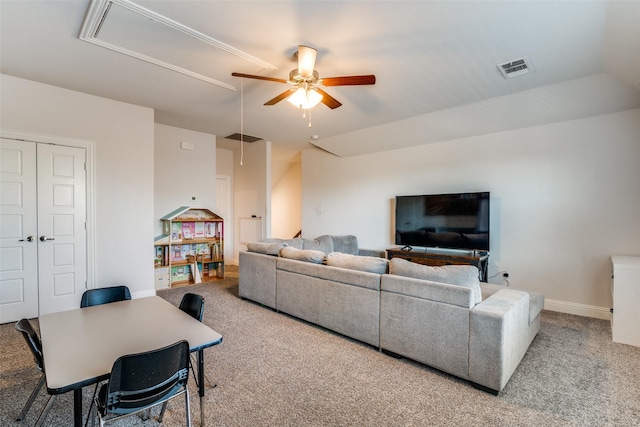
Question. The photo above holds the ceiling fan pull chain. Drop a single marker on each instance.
(241, 121)
(309, 118)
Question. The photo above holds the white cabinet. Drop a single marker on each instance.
(625, 289)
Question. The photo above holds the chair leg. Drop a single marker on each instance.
(195, 377)
(34, 393)
(93, 399)
(45, 411)
(187, 408)
(164, 407)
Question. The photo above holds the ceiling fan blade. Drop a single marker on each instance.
(369, 79)
(283, 95)
(306, 60)
(328, 100)
(251, 76)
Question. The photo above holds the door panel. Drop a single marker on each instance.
(18, 254)
(61, 227)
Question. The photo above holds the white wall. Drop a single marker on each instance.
(181, 174)
(251, 189)
(564, 198)
(286, 202)
(122, 135)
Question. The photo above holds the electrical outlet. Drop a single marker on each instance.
(193, 198)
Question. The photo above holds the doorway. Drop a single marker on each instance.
(43, 228)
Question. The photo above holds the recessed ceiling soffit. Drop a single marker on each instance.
(130, 29)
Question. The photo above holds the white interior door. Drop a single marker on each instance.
(18, 231)
(43, 262)
(62, 251)
(223, 208)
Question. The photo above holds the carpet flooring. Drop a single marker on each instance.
(275, 370)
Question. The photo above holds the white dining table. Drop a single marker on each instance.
(80, 346)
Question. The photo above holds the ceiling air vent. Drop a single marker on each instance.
(516, 67)
(243, 137)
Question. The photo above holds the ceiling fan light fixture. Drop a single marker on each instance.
(306, 60)
(305, 98)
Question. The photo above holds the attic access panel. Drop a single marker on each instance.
(133, 30)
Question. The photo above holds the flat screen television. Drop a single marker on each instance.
(451, 221)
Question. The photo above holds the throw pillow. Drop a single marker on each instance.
(322, 243)
(361, 263)
(308, 255)
(460, 275)
(265, 248)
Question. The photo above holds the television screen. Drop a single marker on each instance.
(452, 221)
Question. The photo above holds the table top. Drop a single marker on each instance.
(79, 346)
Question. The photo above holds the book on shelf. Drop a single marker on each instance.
(159, 260)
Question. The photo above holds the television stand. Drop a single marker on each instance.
(436, 257)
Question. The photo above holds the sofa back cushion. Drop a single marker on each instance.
(461, 275)
(308, 255)
(321, 243)
(296, 242)
(346, 244)
(360, 263)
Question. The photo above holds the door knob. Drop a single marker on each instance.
(28, 239)
(45, 238)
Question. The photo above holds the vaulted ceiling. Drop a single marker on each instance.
(435, 63)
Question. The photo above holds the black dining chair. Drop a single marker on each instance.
(193, 305)
(100, 296)
(141, 381)
(35, 345)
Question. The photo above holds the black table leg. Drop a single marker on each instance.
(77, 407)
(201, 384)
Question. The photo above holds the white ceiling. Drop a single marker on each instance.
(435, 63)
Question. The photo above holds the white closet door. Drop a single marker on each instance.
(43, 252)
(18, 231)
(62, 253)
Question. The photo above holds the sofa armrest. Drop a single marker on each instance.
(372, 252)
(257, 278)
(499, 336)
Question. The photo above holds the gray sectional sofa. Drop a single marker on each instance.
(439, 316)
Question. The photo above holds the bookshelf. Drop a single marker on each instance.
(190, 249)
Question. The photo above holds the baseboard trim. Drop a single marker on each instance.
(577, 309)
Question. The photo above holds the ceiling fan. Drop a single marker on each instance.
(306, 82)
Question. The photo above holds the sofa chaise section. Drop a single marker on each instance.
(439, 325)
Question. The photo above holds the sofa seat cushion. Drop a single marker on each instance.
(460, 275)
(308, 255)
(360, 263)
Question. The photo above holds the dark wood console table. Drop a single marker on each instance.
(435, 257)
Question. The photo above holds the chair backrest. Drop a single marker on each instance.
(140, 380)
(33, 341)
(104, 296)
(193, 305)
